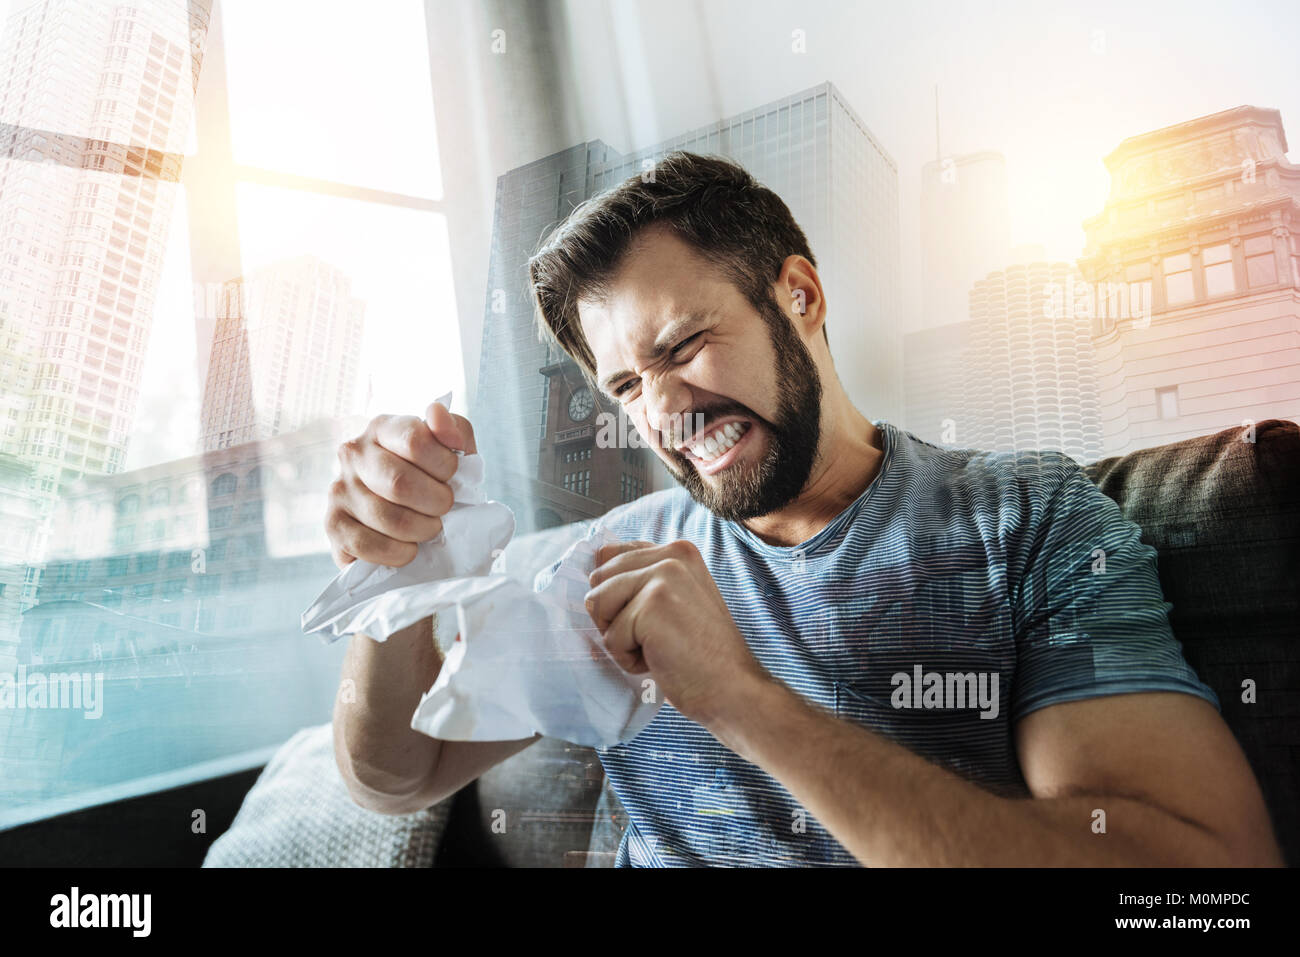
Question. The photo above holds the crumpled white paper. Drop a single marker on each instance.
(521, 661)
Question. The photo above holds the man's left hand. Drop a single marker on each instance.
(661, 612)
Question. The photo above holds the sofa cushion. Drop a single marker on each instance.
(1223, 513)
(535, 809)
(299, 814)
(607, 831)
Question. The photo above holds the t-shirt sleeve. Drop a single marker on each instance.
(1089, 613)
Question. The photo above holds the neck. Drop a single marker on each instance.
(848, 459)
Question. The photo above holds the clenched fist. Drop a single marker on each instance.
(660, 611)
(392, 490)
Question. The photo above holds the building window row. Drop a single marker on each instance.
(631, 487)
(579, 482)
(1221, 272)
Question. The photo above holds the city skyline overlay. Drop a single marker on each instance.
(179, 577)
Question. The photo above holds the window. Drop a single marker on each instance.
(1261, 262)
(1167, 402)
(1217, 263)
(579, 482)
(631, 487)
(327, 198)
(1178, 279)
(224, 484)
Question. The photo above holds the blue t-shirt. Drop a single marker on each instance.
(1009, 576)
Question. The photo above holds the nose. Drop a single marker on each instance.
(667, 403)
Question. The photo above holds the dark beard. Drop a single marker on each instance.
(792, 447)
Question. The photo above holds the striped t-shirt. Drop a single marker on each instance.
(1004, 582)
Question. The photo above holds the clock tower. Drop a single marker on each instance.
(584, 477)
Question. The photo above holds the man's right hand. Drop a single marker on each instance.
(392, 488)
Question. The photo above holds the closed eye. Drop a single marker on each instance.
(685, 342)
(623, 387)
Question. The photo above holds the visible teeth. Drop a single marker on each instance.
(718, 443)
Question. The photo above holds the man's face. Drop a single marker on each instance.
(698, 369)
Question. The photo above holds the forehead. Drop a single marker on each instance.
(660, 281)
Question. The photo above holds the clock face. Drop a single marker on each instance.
(580, 404)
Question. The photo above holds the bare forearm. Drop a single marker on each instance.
(380, 756)
(890, 807)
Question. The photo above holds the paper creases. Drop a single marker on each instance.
(517, 661)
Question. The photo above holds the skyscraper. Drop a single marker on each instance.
(95, 102)
(965, 231)
(1020, 374)
(1204, 213)
(1033, 378)
(811, 149)
(285, 351)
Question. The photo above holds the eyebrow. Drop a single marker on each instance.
(661, 346)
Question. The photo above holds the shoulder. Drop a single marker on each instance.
(1011, 488)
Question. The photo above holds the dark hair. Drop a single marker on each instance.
(742, 227)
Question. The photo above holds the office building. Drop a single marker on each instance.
(1206, 216)
(285, 352)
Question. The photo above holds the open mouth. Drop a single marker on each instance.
(719, 445)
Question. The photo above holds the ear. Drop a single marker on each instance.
(799, 289)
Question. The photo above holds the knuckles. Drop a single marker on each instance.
(657, 589)
(415, 438)
(348, 450)
(398, 485)
(683, 550)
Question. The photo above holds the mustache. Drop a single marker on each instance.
(682, 429)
